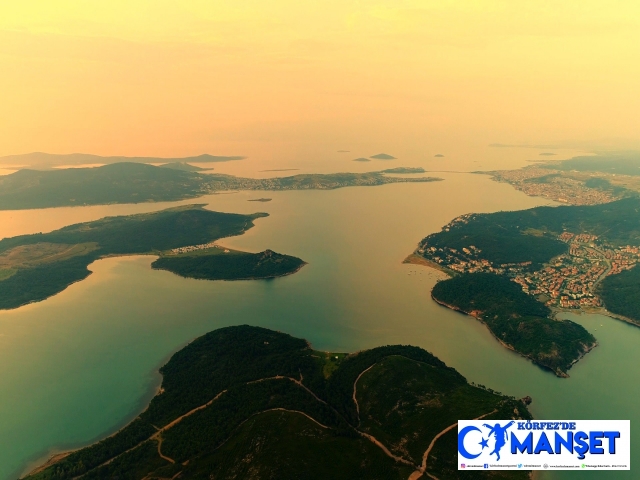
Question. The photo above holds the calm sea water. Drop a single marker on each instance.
(78, 366)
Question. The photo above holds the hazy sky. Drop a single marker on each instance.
(293, 78)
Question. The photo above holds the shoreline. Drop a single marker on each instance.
(53, 459)
(37, 465)
(598, 311)
(150, 253)
(557, 373)
(416, 259)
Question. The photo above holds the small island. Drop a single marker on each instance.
(36, 267)
(383, 156)
(219, 263)
(247, 402)
(259, 200)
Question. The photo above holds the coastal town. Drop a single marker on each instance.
(569, 281)
(193, 248)
(564, 187)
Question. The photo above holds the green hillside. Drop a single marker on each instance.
(247, 402)
(621, 293)
(516, 319)
(35, 267)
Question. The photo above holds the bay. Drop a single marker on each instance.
(80, 365)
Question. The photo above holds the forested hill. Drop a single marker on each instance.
(225, 264)
(117, 183)
(247, 402)
(516, 319)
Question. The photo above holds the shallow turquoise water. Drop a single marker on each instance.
(78, 366)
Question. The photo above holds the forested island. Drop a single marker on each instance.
(247, 402)
(224, 264)
(509, 268)
(35, 267)
(138, 182)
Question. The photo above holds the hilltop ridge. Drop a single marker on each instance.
(247, 402)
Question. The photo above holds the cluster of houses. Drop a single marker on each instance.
(570, 279)
(193, 248)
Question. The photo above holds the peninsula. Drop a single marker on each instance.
(35, 267)
(578, 181)
(509, 269)
(247, 402)
(138, 182)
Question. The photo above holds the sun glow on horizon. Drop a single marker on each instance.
(180, 78)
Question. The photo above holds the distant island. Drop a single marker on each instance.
(259, 200)
(361, 159)
(438, 155)
(509, 269)
(41, 160)
(136, 183)
(383, 156)
(247, 402)
(35, 267)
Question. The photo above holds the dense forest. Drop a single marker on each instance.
(247, 401)
(516, 319)
(621, 293)
(31, 281)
